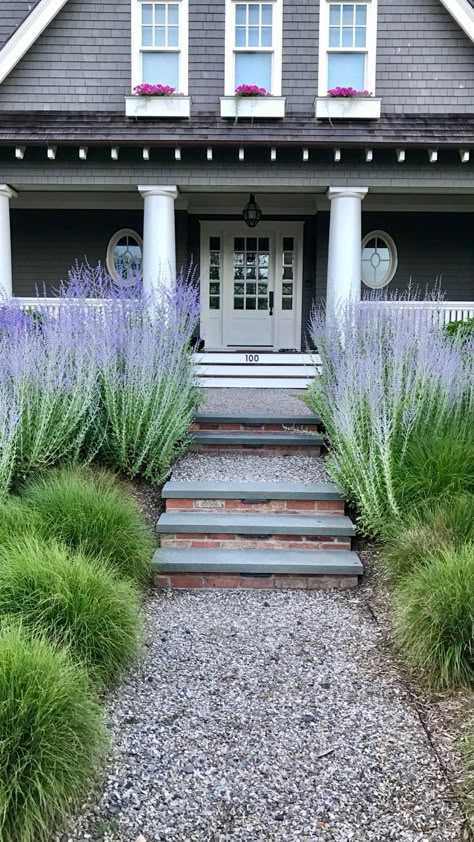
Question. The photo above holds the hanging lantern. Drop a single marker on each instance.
(251, 213)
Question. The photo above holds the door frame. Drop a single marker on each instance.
(212, 321)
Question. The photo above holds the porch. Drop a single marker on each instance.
(257, 284)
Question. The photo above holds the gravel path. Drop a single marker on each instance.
(243, 468)
(267, 716)
(257, 401)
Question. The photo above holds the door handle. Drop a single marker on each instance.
(271, 301)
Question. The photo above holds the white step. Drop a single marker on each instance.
(219, 370)
(255, 369)
(254, 382)
(256, 358)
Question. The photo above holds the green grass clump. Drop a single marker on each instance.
(449, 522)
(73, 601)
(16, 518)
(51, 736)
(436, 463)
(434, 617)
(89, 512)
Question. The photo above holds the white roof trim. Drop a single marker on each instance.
(463, 14)
(27, 33)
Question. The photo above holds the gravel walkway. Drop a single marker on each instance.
(261, 401)
(267, 716)
(251, 468)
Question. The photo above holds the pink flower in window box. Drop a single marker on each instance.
(154, 90)
(347, 92)
(251, 90)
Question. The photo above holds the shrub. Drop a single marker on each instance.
(390, 377)
(88, 511)
(426, 530)
(16, 518)
(462, 327)
(75, 602)
(434, 617)
(51, 736)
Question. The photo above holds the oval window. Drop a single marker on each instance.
(125, 255)
(379, 259)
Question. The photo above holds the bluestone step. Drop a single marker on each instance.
(287, 438)
(259, 524)
(290, 420)
(257, 562)
(203, 490)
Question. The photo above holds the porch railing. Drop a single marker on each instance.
(440, 312)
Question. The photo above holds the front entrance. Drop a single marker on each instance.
(251, 285)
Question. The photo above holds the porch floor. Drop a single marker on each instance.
(254, 401)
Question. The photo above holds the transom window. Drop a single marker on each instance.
(379, 259)
(160, 44)
(253, 45)
(347, 46)
(124, 255)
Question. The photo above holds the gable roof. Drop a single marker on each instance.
(21, 39)
(30, 18)
(463, 13)
(12, 15)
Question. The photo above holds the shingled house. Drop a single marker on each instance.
(89, 170)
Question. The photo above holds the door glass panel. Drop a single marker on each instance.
(215, 279)
(288, 270)
(251, 262)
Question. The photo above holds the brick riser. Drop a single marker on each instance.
(227, 541)
(204, 427)
(302, 507)
(264, 450)
(271, 582)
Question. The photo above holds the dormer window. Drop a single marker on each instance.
(253, 45)
(160, 44)
(347, 46)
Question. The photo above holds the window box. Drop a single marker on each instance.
(158, 106)
(270, 107)
(347, 108)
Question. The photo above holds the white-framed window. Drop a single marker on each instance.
(253, 45)
(379, 259)
(347, 46)
(125, 255)
(160, 43)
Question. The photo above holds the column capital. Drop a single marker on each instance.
(7, 191)
(347, 193)
(171, 191)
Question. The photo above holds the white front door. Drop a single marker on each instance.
(251, 285)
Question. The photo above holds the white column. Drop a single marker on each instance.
(159, 246)
(6, 284)
(345, 237)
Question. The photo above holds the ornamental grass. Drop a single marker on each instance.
(75, 602)
(428, 528)
(87, 510)
(51, 736)
(434, 618)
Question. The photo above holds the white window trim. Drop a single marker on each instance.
(393, 255)
(277, 49)
(370, 49)
(183, 45)
(110, 256)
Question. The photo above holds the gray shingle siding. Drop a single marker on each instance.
(434, 249)
(82, 61)
(12, 13)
